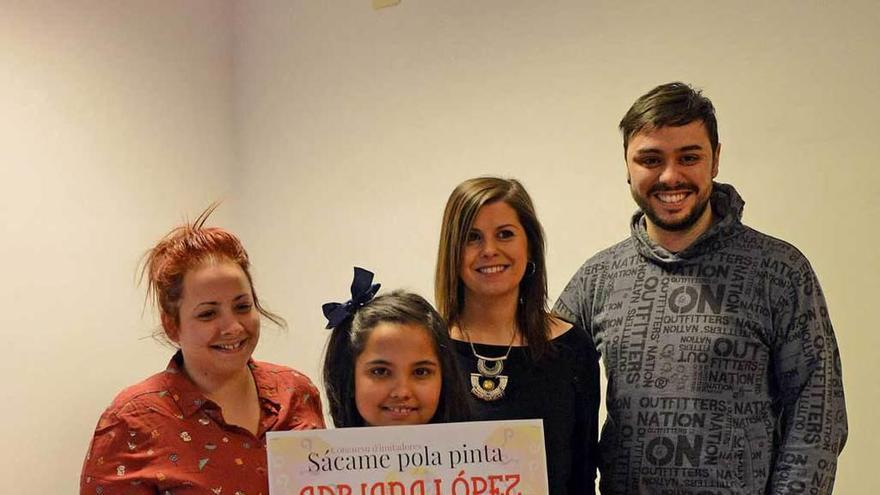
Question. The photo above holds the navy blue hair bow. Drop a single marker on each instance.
(362, 290)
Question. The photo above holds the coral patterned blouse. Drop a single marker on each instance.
(162, 436)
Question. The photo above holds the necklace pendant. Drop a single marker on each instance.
(490, 367)
(488, 388)
(488, 383)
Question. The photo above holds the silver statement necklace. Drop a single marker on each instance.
(488, 383)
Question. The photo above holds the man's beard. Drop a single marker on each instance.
(677, 226)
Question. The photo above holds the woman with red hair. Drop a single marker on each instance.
(200, 426)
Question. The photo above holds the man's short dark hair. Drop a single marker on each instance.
(670, 104)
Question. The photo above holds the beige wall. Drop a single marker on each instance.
(355, 125)
(115, 120)
(335, 133)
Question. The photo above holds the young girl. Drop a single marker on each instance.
(389, 361)
(200, 425)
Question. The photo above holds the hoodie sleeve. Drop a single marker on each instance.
(808, 386)
(573, 304)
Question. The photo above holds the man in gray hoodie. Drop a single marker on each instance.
(723, 370)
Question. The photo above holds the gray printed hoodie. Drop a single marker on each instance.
(723, 370)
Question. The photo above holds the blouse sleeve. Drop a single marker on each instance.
(310, 412)
(117, 459)
(301, 402)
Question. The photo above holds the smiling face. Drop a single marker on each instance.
(671, 170)
(495, 254)
(397, 377)
(219, 325)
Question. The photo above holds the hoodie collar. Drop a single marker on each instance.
(727, 209)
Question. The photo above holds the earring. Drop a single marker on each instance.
(531, 267)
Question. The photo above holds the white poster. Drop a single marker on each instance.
(474, 458)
